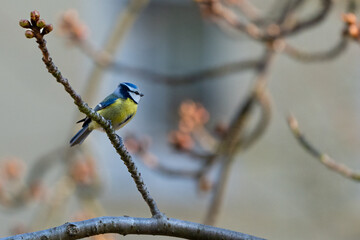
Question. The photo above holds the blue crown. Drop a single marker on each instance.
(130, 85)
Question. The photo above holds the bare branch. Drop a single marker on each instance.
(322, 157)
(129, 225)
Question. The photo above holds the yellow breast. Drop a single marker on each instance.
(120, 113)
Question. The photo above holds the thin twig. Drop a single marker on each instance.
(322, 157)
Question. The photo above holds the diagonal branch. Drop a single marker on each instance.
(116, 141)
(263, 100)
(322, 157)
(230, 144)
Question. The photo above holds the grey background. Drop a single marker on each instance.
(275, 190)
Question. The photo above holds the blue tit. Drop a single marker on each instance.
(119, 107)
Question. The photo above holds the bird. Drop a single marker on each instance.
(119, 107)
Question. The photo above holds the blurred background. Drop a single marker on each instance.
(275, 189)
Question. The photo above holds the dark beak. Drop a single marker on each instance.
(141, 95)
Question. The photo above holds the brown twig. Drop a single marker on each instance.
(322, 157)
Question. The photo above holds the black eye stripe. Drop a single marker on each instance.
(137, 93)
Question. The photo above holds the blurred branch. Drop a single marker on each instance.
(174, 172)
(351, 30)
(230, 144)
(218, 192)
(332, 52)
(173, 80)
(139, 226)
(202, 75)
(37, 31)
(329, 54)
(140, 147)
(351, 6)
(247, 9)
(51, 214)
(322, 157)
(207, 159)
(237, 125)
(104, 60)
(288, 9)
(263, 100)
(273, 30)
(34, 179)
(300, 25)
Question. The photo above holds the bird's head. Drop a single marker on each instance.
(129, 89)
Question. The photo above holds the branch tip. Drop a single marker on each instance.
(34, 16)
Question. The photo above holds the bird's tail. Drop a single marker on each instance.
(80, 136)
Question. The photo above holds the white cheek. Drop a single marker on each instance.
(136, 97)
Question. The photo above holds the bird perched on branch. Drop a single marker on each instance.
(119, 107)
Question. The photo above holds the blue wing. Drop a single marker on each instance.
(106, 102)
(103, 104)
